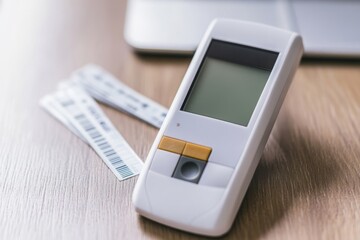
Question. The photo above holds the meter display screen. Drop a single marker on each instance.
(229, 82)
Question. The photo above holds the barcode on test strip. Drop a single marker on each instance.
(104, 146)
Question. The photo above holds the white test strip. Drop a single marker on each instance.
(106, 88)
(85, 115)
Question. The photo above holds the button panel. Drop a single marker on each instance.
(189, 162)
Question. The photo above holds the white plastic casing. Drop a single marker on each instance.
(209, 207)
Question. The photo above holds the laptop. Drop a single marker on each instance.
(330, 28)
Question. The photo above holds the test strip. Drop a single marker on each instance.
(82, 112)
(106, 88)
(52, 106)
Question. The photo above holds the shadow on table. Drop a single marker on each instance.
(294, 165)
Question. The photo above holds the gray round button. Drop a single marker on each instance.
(190, 170)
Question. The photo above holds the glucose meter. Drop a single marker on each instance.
(206, 152)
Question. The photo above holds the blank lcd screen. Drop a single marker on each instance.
(229, 82)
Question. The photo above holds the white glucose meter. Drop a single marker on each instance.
(206, 152)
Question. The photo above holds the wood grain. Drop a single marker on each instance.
(53, 186)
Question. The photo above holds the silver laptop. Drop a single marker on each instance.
(330, 28)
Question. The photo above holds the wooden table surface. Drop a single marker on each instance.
(53, 186)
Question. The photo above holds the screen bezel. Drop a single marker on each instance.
(250, 57)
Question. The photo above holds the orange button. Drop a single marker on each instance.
(197, 151)
(172, 145)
